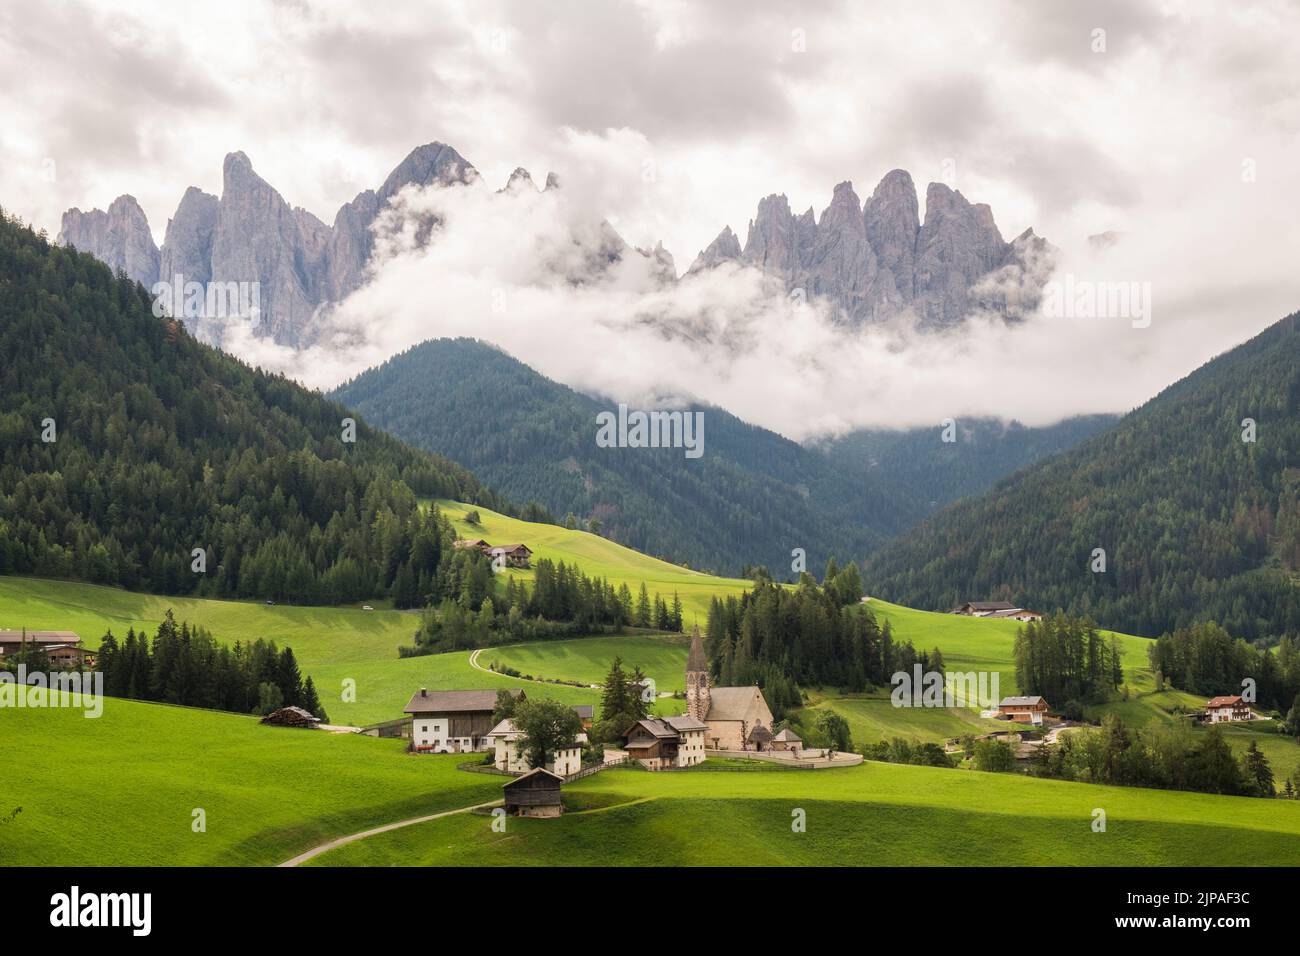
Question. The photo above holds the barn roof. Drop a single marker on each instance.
(1021, 701)
(39, 637)
(530, 775)
(425, 701)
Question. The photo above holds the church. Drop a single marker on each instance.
(738, 718)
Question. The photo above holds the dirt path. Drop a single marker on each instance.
(340, 841)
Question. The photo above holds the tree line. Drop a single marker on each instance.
(563, 602)
(1066, 659)
(811, 635)
(1205, 659)
(184, 664)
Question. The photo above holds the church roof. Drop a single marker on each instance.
(737, 703)
(696, 661)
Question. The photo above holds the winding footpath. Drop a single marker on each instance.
(340, 841)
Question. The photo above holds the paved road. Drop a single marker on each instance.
(326, 847)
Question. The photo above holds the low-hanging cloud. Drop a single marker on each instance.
(530, 271)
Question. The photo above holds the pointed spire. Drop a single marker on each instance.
(696, 661)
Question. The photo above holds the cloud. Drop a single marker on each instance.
(670, 120)
(522, 270)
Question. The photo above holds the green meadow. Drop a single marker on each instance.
(873, 814)
(137, 775)
(121, 789)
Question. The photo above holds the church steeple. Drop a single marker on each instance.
(697, 679)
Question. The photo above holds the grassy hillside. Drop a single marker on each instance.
(270, 793)
(875, 814)
(598, 557)
(121, 789)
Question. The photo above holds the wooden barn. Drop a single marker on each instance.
(535, 794)
(291, 717)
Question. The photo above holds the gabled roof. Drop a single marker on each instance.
(505, 728)
(655, 728)
(425, 701)
(1022, 701)
(509, 549)
(788, 736)
(39, 637)
(585, 711)
(985, 606)
(685, 723)
(1224, 701)
(737, 703)
(529, 775)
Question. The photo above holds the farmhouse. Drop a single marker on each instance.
(1024, 710)
(1219, 710)
(452, 721)
(515, 555)
(737, 718)
(982, 608)
(535, 794)
(509, 756)
(667, 742)
(586, 713)
(62, 648)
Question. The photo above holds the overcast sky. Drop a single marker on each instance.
(1177, 126)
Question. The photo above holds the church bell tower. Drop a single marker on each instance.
(697, 679)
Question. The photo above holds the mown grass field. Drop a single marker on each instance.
(874, 814)
(587, 659)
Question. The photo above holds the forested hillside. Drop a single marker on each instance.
(751, 499)
(1197, 524)
(125, 445)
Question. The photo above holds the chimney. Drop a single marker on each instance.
(424, 692)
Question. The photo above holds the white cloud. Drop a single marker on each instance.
(671, 120)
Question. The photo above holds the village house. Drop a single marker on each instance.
(1219, 710)
(1024, 710)
(514, 555)
(666, 742)
(737, 718)
(586, 713)
(452, 721)
(475, 544)
(509, 756)
(61, 648)
(996, 609)
(535, 794)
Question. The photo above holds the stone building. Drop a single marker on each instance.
(734, 715)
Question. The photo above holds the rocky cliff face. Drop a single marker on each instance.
(119, 237)
(873, 260)
(252, 235)
(876, 260)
